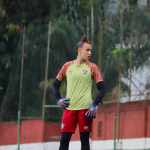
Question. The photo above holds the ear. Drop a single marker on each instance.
(79, 49)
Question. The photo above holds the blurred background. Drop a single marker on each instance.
(37, 37)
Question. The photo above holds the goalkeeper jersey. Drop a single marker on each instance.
(79, 83)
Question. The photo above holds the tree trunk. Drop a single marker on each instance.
(8, 108)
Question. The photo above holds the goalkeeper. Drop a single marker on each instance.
(79, 108)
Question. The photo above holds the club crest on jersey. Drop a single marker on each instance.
(84, 71)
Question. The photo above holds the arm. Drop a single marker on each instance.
(56, 86)
(62, 102)
(101, 92)
(57, 82)
(91, 113)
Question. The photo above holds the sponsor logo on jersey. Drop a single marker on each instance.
(86, 127)
(62, 126)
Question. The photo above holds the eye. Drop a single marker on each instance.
(88, 50)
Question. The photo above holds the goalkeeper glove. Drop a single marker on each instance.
(91, 113)
(63, 102)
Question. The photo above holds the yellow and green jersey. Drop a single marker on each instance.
(79, 83)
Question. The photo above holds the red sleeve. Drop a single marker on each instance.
(96, 73)
(62, 72)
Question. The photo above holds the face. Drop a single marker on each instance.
(85, 51)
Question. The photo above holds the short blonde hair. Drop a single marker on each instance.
(83, 40)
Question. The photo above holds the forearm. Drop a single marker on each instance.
(91, 113)
(62, 102)
(56, 86)
(101, 93)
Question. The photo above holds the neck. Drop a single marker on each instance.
(79, 60)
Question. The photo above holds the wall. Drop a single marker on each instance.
(134, 123)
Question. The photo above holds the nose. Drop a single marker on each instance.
(90, 53)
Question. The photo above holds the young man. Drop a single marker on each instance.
(80, 109)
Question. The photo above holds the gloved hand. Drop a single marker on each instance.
(91, 113)
(63, 102)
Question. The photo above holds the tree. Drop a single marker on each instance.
(70, 20)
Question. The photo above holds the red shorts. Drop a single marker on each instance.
(71, 118)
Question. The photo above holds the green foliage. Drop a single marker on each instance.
(85, 7)
(133, 2)
(69, 22)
